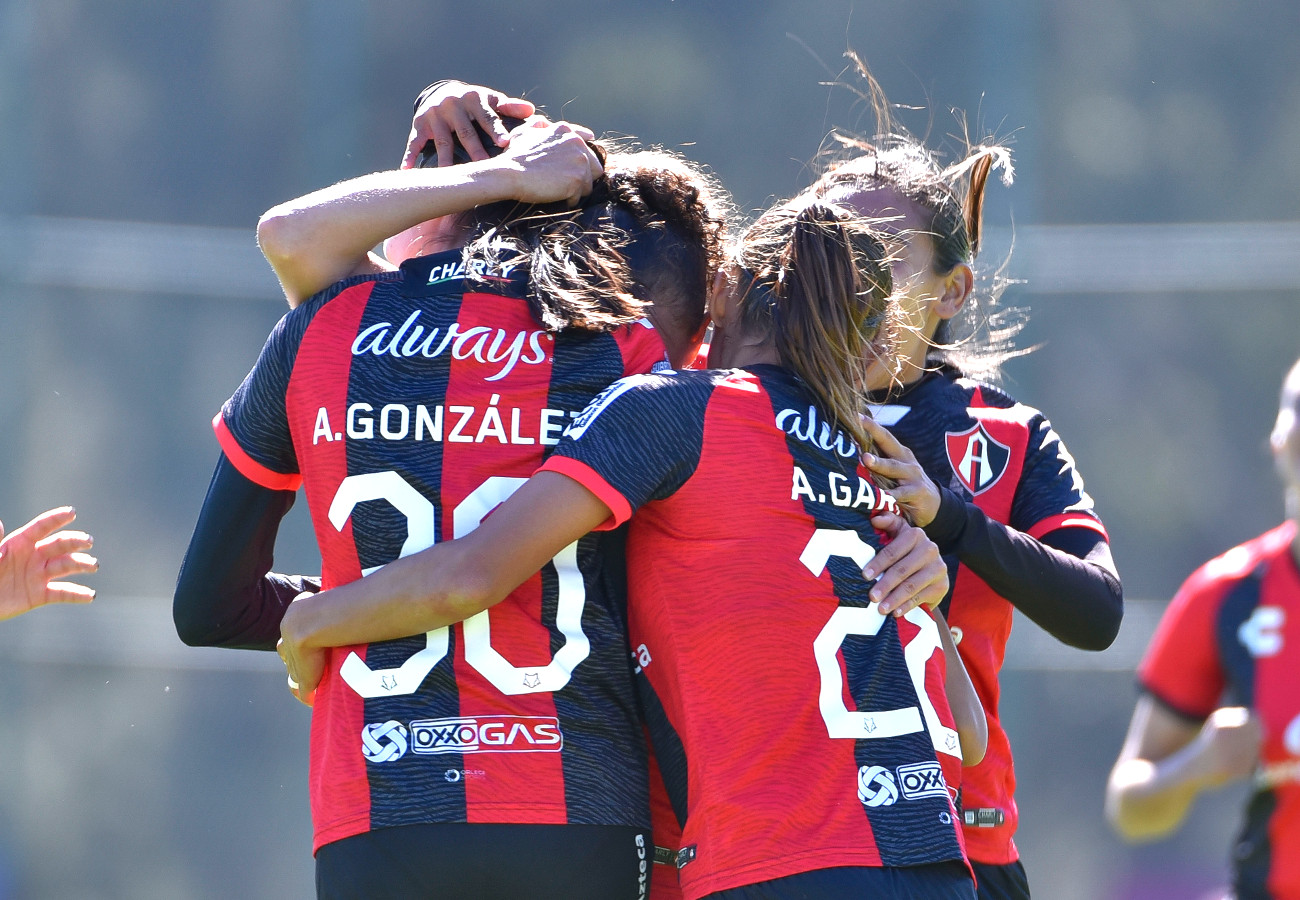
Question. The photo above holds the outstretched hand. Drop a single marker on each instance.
(913, 489)
(909, 571)
(33, 557)
(449, 114)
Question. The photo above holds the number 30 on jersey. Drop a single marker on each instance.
(421, 532)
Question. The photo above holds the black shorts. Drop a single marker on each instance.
(488, 862)
(1007, 882)
(941, 881)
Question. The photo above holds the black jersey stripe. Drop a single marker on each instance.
(906, 830)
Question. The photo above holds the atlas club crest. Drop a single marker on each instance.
(976, 458)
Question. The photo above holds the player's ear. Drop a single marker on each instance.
(720, 294)
(957, 287)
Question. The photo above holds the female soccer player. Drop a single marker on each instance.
(985, 475)
(804, 733)
(405, 398)
(33, 559)
(1232, 630)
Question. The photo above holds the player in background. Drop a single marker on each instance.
(747, 595)
(985, 475)
(407, 399)
(35, 556)
(1220, 695)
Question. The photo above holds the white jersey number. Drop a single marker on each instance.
(421, 532)
(867, 620)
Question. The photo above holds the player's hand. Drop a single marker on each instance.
(452, 110)
(36, 555)
(1229, 743)
(913, 490)
(909, 571)
(305, 666)
(553, 161)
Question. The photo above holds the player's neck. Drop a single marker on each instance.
(737, 351)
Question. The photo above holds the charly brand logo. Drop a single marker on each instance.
(876, 786)
(490, 346)
(383, 742)
(479, 268)
(978, 460)
(922, 780)
(809, 428)
(487, 734)
(1261, 634)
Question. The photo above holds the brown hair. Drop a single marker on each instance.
(816, 279)
(651, 231)
(950, 203)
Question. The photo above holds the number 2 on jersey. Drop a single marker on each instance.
(867, 621)
(421, 532)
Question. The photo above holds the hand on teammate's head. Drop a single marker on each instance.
(449, 114)
(555, 161)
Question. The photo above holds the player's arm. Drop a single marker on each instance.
(967, 711)
(226, 595)
(325, 236)
(444, 584)
(1168, 759)
(34, 557)
(1065, 581)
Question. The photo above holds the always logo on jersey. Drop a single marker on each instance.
(976, 458)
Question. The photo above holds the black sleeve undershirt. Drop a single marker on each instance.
(1066, 582)
(226, 594)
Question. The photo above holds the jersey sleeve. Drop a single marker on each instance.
(639, 440)
(1051, 493)
(1181, 667)
(253, 425)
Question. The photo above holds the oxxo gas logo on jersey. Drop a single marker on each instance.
(976, 458)
(922, 780)
(487, 734)
(878, 786)
(389, 741)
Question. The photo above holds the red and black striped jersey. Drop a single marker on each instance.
(796, 728)
(1231, 636)
(1005, 458)
(409, 405)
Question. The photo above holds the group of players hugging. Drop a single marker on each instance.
(664, 559)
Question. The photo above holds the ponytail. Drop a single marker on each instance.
(820, 281)
(977, 167)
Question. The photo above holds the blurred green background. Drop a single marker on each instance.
(1156, 233)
